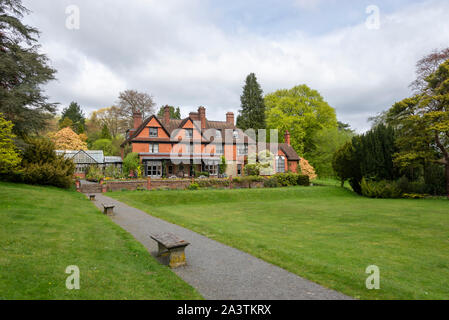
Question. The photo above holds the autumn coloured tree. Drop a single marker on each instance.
(67, 139)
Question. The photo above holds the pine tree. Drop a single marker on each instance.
(105, 134)
(23, 72)
(76, 115)
(252, 113)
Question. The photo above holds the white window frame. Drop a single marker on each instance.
(154, 168)
(189, 133)
(154, 148)
(245, 150)
(219, 149)
(157, 132)
(278, 167)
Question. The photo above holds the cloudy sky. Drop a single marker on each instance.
(198, 52)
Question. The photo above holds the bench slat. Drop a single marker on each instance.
(169, 240)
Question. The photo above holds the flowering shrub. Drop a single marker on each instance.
(307, 169)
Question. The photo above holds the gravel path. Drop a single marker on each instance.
(217, 271)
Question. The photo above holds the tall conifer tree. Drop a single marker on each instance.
(252, 113)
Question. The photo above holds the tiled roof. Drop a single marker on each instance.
(287, 149)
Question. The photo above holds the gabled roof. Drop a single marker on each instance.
(174, 124)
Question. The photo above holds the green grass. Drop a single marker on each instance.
(43, 230)
(326, 234)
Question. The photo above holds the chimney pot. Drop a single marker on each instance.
(202, 116)
(230, 118)
(137, 116)
(287, 137)
(166, 114)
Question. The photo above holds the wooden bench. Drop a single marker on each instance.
(92, 197)
(108, 209)
(174, 247)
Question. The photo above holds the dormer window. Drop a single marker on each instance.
(189, 133)
(153, 133)
(235, 134)
(218, 134)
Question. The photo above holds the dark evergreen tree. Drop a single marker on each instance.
(252, 112)
(23, 71)
(105, 134)
(174, 113)
(375, 149)
(76, 115)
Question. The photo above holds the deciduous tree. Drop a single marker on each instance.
(67, 139)
(131, 101)
(303, 112)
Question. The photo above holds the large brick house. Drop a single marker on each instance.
(170, 147)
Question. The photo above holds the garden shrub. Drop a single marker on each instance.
(200, 173)
(252, 169)
(303, 180)
(112, 172)
(40, 165)
(287, 179)
(271, 183)
(213, 183)
(193, 186)
(94, 173)
(380, 189)
(131, 163)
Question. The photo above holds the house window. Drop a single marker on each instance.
(212, 169)
(235, 134)
(189, 133)
(154, 148)
(170, 170)
(239, 169)
(154, 168)
(218, 134)
(153, 132)
(280, 168)
(242, 150)
(219, 149)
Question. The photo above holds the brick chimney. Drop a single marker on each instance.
(230, 118)
(287, 137)
(194, 116)
(166, 114)
(202, 116)
(137, 116)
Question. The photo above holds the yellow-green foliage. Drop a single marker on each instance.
(9, 157)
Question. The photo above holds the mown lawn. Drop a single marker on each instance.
(43, 230)
(325, 233)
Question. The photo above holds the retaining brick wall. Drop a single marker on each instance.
(155, 184)
(127, 185)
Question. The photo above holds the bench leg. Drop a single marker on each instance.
(177, 258)
(161, 250)
(109, 211)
